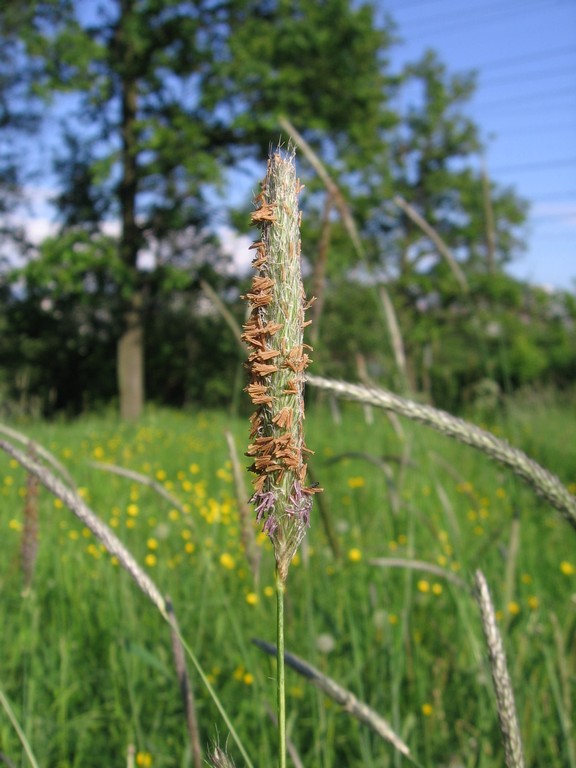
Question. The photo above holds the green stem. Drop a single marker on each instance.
(281, 689)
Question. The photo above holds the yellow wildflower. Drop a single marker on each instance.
(227, 561)
(252, 598)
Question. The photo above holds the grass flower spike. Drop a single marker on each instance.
(276, 362)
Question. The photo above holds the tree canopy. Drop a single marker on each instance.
(161, 103)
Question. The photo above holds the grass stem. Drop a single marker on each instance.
(280, 672)
(5, 704)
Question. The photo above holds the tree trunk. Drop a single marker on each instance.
(130, 359)
(130, 362)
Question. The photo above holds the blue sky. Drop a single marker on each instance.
(525, 106)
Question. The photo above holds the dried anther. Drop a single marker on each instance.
(259, 394)
(277, 303)
(264, 214)
(263, 354)
(283, 418)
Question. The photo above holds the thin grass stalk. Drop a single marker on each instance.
(142, 480)
(326, 518)
(319, 274)
(502, 685)
(29, 547)
(451, 518)
(352, 705)
(382, 462)
(564, 694)
(365, 379)
(40, 451)
(420, 565)
(224, 311)
(290, 746)
(280, 670)
(214, 696)
(186, 690)
(5, 704)
(395, 335)
(247, 538)
(543, 482)
(436, 239)
(489, 221)
(512, 560)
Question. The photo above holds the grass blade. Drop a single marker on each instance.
(16, 725)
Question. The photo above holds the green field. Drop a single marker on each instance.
(86, 660)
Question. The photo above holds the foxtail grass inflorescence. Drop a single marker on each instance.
(277, 360)
(513, 751)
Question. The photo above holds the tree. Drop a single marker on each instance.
(434, 166)
(19, 117)
(170, 93)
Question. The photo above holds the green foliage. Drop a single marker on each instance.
(430, 159)
(77, 266)
(318, 63)
(501, 330)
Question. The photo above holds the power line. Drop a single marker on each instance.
(471, 12)
(528, 97)
(406, 4)
(570, 215)
(524, 112)
(509, 62)
(496, 13)
(555, 196)
(542, 129)
(519, 76)
(539, 164)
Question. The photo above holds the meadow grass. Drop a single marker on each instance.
(86, 661)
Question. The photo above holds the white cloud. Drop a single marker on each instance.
(237, 246)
